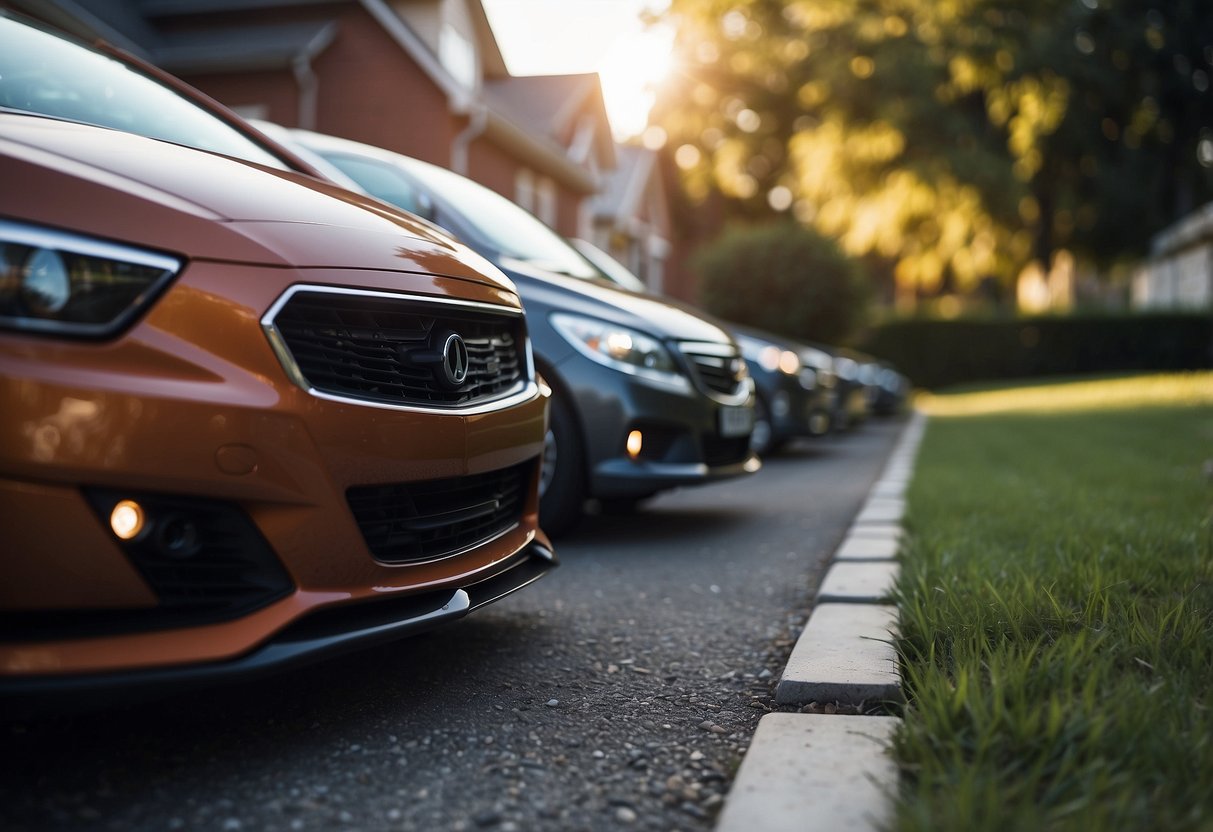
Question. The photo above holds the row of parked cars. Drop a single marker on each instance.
(268, 395)
(800, 389)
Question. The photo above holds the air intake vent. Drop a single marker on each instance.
(421, 521)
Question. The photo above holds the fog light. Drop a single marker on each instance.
(635, 441)
(127, 520)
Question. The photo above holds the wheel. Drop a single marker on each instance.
(562, 475)
(762, 440)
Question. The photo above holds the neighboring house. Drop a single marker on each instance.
(631, 216)
(1179, 272)
(421, 77)
(567, 109)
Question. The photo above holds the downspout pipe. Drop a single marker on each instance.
(478, 122)
(309, 89)
(306, 78)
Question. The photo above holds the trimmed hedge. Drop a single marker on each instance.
(784, 278)
(938, 353)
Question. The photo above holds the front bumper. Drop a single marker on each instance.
(192, 406)
(683, 441)
(309, 639)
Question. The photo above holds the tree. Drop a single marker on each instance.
(959, 140)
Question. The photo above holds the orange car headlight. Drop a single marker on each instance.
(68, 284)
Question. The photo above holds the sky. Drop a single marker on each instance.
(555, 37)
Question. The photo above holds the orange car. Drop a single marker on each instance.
(246, 419)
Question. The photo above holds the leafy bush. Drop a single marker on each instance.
(783, 278)
(937, 353)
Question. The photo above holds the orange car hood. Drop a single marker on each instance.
(205, 206)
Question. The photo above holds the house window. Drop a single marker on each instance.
(545, 201)
(524, 189)
(457, 56)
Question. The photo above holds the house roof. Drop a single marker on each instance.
(170, 8)
(549, 101)
(245, 48)
(121, 24)
(552, 104)
(134, 25)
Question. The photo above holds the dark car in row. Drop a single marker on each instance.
(801, 389)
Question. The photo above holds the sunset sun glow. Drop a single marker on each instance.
(631, 73)
(555, 37)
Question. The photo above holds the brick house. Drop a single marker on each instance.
(631, 218)
(421, 77)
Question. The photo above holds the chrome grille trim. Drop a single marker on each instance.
(527, 386)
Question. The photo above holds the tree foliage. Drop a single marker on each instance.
(959, 139)
(784, 278)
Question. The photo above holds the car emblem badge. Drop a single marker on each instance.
(455, 360)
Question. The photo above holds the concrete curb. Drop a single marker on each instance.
(808, 772)
(858, 583)
(838, 764)
(845, 655)
(867, 549)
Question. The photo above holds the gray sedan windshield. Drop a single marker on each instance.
(503, 225)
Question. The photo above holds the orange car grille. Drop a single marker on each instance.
(390, 350)
(420, 521)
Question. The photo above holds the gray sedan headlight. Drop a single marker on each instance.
(621, 348)
(66, 284)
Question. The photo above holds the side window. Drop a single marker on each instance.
(381, 181)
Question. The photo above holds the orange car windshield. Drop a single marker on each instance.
(48, 75)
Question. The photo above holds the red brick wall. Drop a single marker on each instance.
(372, 91)
(568, 205)
(492, 167)
(274, 90)
(369, 90)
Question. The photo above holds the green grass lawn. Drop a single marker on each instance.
(1057, 610)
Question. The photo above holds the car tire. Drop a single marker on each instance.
(562, 475)
(762, 439)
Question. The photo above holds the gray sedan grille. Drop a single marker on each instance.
(718, 367)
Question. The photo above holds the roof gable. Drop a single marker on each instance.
(566, 108)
